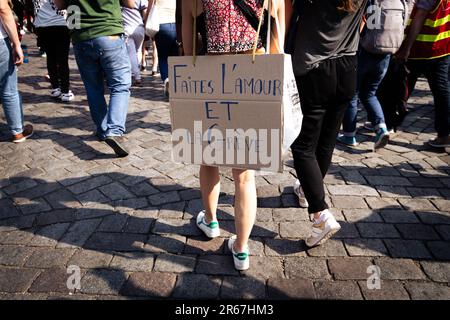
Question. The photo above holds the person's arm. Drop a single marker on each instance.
(187, 26)
(416, 25)
(179, 19)
(127, 4)
(9, 24)
(278, 35)
(61, 4)
(289, 10)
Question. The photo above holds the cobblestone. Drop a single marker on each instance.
(129, 224)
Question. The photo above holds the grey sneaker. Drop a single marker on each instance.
(117, 144)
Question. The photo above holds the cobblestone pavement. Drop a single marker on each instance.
(65, 199)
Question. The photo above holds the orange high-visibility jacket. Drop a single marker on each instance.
(433, 40)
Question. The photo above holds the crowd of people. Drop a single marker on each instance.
(340, 58)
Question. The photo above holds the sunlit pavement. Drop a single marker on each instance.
(126, 229)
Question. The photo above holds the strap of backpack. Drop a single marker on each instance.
(248, 13)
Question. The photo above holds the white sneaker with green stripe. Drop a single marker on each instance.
(241, 259)
(211, 230)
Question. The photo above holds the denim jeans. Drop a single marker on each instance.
(166, 43)
(437, 72)
(135, 41)
(325, 93)
(100, 59)
(371, 70)
(9, 92)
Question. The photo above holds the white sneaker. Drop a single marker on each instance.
(55, 93)
(298, 190)
(323, 229)
(241, 259)
(66, 97)
(166, 87)
(211, 230)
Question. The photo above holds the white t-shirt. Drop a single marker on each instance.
(47, 15)
(3, 33)
(166, 10)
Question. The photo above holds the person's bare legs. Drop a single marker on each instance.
(245, 204)
(210, 189)
(154, 57)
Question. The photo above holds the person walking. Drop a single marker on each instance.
(11, 56)
(133, 22)
(378, 43)
(166, 38)
(101, 54)
(221, 39)
(426, 49)
(324, 60)
(54, 38)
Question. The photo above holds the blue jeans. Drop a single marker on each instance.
(166, 44)
(9, 92)
(99, 59)
(437, 72)
(371, 70)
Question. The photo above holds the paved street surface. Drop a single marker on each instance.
(128, 224)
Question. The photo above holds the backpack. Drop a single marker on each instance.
(393, 94)
(385, 25)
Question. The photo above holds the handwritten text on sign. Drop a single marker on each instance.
(230, 83)
(227, 110)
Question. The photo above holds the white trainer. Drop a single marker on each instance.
(55, 93)
(323, 229)
(298, 190)
(67, 97)
(241, 259)
(211, 230)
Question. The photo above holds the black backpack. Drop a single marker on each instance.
(393, 94)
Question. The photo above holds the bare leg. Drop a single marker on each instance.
(210, 188)
(244, 207)
(154, 57)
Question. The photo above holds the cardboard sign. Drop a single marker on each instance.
(228, 111)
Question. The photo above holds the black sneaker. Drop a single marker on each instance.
(99, 136)
(117, 144)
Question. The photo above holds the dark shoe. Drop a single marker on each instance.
(117, 144)
(440, 142)
(21, 137)
(137, 83)
(99, 136)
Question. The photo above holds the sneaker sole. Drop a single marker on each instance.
(241, 269)
(23, 139)
(439, 145)
(325, 238)
(119, 150)
(347, 145)
(383, 142)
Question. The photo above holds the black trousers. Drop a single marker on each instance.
(325, 93)
(55, 41)
(437, 72)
